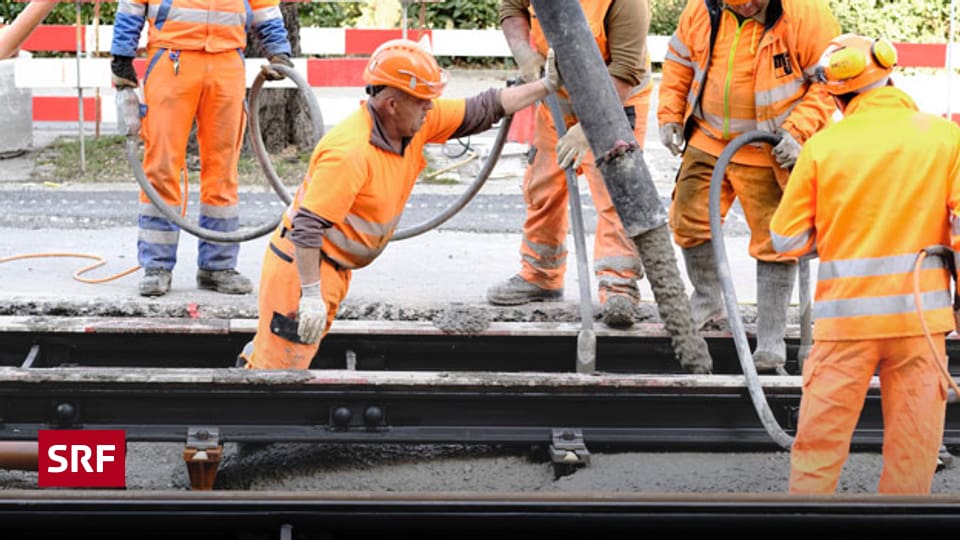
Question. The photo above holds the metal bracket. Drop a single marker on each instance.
(567, 448)
(202, 456)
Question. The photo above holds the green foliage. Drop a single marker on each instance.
(460, 14)
(330, 14)
(664, 15)
(65, 13)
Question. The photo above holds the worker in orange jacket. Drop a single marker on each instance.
(195, 71)
(732, 67)
(867, 195)
(13, 35)
(620, 29)
(360, 177)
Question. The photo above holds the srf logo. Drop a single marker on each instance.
(82, 458)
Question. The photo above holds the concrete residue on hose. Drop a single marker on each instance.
(462, 319)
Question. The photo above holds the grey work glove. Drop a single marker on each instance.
(551, 76)
(272, 74)
(572, 147)
(671, 135)
(787, 150)
(530, 63)
(312, 313)
(124, 76)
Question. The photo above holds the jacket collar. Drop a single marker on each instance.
(886, 97)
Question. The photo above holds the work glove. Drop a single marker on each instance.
(572, 147)
(124, 76)
(530, 63)
(787, 150)
(312, 313)
(671, 135)
(272, 74)
(551, 75)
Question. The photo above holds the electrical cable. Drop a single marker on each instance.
(918, 303)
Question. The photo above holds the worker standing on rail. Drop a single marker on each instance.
(13, 35)
(195, 71)
(732, 67)
(620, 28)
(867, 195)
(360, 177)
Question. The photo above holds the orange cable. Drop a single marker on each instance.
(941, 363)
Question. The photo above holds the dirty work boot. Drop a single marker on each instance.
(706, 302)
(155, 282)
(224, 281)
(618, 311)
(517, 291)
(944, 459)
(774, 287)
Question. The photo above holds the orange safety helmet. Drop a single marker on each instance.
(405, 65)
(852, 63)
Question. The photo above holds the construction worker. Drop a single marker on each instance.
(13, 35)
(732, 67)
(620, 28)
(360, 177)
(867, 195)
(195, 71)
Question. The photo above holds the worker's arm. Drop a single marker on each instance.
(793, 226)
(267, 22)
(514, 98)
(627, 23)
(678, 70)
(13, 36)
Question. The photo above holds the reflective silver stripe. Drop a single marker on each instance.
(206, 16)
(621, 263)
(152, 11)
(874, 266)
(265, 14)
(954, 224)
(682, 61)
(149, 210)
(152, 236)
(880, 305)
(678, 46)
(544, 263)
(370, 228)
(736, 125)
(777, 94)
(545, 250)
(219, 212)
(129, 7)
(608, 280)
(783, 244)
(354, 249)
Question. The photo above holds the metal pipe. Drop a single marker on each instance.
(18, 455)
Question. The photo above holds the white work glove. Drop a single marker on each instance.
(530, 63)
(551, 76)
(787, 151)
(312, 313)
(671, 135)
(572, 147)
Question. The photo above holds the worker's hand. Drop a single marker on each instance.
(787, 150)
(124, 76)
(270, 73)
(551, 75)
(572, 147)
(312, 313)
(530, 63)
(671, 135)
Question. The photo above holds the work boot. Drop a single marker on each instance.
(517, 291)
(774, 287)
(618, 311)
(706, 302)
(223, 281)
(155, 282)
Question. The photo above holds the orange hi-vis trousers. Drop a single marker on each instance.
(543, 252)
(180, 87)
(276, 345)
(913, 396)
(757, 188)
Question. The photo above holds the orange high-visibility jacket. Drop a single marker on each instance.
(199, 25)
(361, 188)
(867, 194)
(794, 36)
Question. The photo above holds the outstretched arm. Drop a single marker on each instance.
(13, 36)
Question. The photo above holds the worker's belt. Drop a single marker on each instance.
(287, 258)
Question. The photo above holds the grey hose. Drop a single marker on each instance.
(729, 294)
(256, 137)
(587, 338)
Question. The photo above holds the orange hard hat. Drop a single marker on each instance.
(853, 63)
(405, 65)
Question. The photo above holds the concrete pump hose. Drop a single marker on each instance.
(255, 135)
(729, 295)
(469, 193)
(200, 232)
